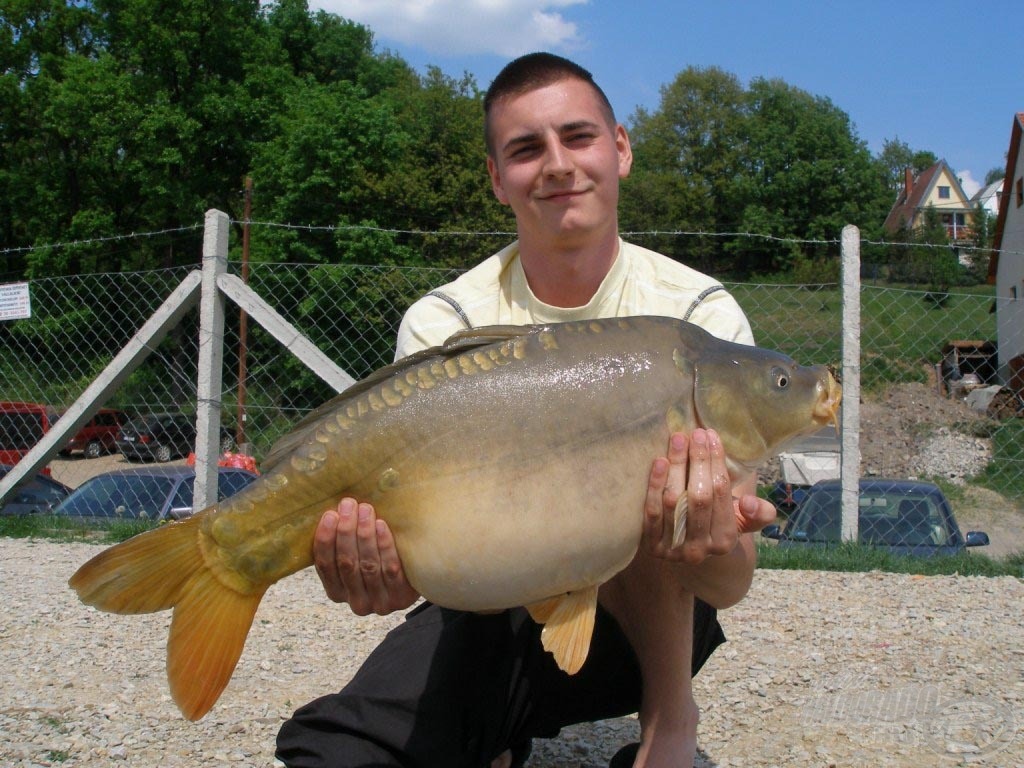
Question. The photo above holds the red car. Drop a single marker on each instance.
(99, 436)
(22, 425)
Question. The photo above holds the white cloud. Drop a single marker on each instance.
(458, 27)
(968, 183)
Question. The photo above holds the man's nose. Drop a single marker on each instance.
(557, 160)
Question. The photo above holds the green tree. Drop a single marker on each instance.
(805, 175)
(686, 157)
(983, 226)
(138, 121)
(897, 156)
(994, 174)
(439, 181)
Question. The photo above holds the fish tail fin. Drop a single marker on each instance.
(163, 569)
(568, 627)
(208, 634)
(144, 574)
(679, 531)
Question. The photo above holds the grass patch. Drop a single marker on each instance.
(903, 329)
(1005, 473)
(858, 558)
(841, 557)
(65, 529)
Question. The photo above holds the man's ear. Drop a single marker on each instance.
(496, 185)
(625, 151)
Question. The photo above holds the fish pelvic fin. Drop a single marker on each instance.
(568, 627)
(541, 612)
(163, 569)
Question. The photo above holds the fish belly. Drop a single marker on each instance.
(534, 526)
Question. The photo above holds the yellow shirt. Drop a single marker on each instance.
(640, 282)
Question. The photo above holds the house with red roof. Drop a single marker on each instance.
(1006, 266)
(936, 187)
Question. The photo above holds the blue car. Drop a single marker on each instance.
(33, 496)
(904, 516)
(147, 493)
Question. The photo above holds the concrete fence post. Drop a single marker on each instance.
(850, 416)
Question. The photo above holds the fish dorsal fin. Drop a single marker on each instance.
(568, 626)
(456, 344)
(460, 341)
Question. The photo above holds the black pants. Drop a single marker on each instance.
(455, 689)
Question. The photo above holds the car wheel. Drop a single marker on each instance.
(93, 449)
(163, 453)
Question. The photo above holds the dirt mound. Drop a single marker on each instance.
(910, 430)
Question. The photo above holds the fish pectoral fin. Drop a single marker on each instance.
(208, 631)
(569, 627)
(679, 530)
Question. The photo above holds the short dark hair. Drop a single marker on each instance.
(533, 71)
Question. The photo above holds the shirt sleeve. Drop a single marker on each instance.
(427, 323)
(720, 314)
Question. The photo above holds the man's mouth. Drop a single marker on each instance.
(561, 195)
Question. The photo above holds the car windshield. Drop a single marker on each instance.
(119, 496)
(141, 424)
(887, 517)
(20, 430)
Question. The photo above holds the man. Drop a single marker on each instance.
(454, 689)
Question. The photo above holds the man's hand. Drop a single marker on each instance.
(695, 466)
(356, 559)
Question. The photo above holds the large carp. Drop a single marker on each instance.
(511, 464)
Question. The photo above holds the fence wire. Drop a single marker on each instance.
(352, 311)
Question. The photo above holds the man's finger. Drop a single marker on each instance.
(654, 505)
(369, 570)
(325, 557)
(400, 593)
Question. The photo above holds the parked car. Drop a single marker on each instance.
(37, 495)
(99, 435)
(22, 425)
(787, 496)
(145, 493)
(163, 436)
(904, 516)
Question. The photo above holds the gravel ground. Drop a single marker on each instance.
(822, 669)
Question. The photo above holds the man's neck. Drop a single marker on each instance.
(570, 276)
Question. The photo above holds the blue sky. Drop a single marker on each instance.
(942, 76)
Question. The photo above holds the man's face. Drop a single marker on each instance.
(557, 162)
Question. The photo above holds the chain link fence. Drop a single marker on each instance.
(911, 335)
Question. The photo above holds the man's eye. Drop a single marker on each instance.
(523, 151)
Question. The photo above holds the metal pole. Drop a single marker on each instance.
(850, 418)
(243, 320)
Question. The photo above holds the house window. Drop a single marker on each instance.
(960, 220)
(943, 193)
(1020, 192)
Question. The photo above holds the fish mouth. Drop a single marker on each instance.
(826, 410)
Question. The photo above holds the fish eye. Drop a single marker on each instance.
(781, 377)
